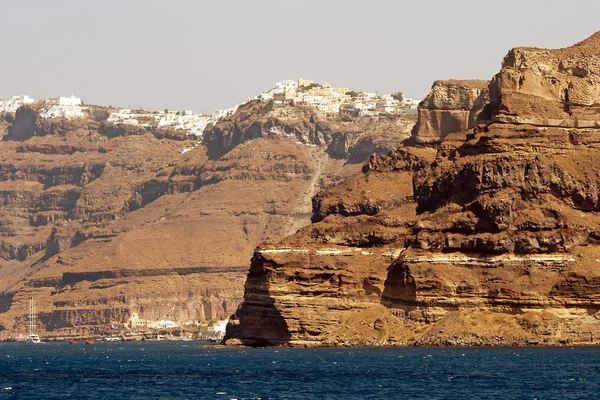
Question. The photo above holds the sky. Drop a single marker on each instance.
(206, 55)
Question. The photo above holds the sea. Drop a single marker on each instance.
(189, 370)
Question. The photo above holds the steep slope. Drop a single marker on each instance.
(494, 242)
(101, 221)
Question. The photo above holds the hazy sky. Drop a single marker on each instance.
(204, 55)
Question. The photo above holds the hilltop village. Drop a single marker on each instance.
(338, 100)
(324, 99)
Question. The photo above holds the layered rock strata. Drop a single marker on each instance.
(492, 242)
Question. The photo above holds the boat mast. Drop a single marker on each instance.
(32, 316)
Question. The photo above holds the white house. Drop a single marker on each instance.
(314, 100)
(287, 85)
(57, 111)
(218, 329)
(12, 105)
(331, 108)
(266, 96)
(69, 101)
(66, 107)
(368, 95)
(411, 102)
(224, 113)
(167, 324)
(387, 104)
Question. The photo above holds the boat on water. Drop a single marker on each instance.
(73, 341)
(112, 339)
(32, 337)
(89, 341)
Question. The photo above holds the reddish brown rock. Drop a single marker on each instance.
(495, 241)
(451, 106)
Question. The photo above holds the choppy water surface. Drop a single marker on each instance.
(186, 371)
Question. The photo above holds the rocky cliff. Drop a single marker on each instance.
(493, 240)
(99, 221)
(451, 106)
(354, 139)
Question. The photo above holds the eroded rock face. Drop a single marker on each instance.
(492, 241)
(549, 87)
(451, 106)
(355, 140)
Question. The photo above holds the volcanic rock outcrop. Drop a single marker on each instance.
(493, 240)
(451, 106)
(100, 221)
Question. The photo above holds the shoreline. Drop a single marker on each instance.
(206, 345)
(414, 344)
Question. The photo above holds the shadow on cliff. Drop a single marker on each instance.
(258, 322)
(400, 287)
(23, 126)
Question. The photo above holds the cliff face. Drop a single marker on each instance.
(494, 242)
(100, 221)
(549, 87)
(356, 139)
(451, 106)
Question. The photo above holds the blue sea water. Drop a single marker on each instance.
(176, 370)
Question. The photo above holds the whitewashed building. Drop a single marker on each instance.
(219, 114)
(69, 101)
(288, 85)
(167, 324)
(63, 107)
(314, 101)
(387, 104)
(12, 105)
(218, 329)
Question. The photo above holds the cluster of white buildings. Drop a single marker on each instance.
(334, 100)
(228, 112)
(193, 124)
(12, 105)
(135, 322)
(216, 329)
(324, 98)
(72, 107)
(67, 107)
(372, 105)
